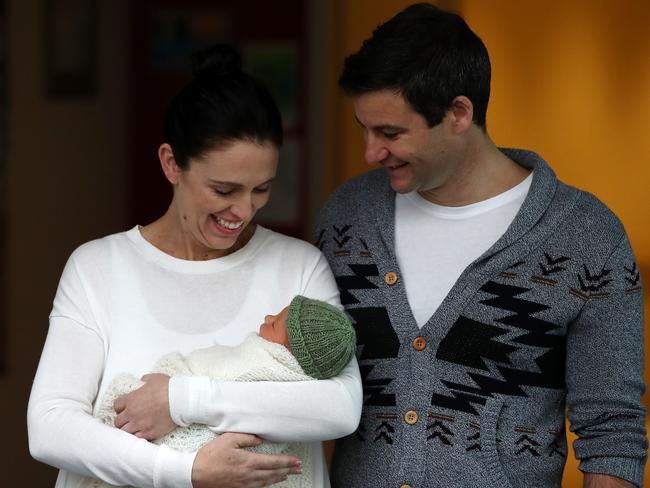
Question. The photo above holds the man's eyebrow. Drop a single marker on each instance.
(390, 128)
(382, 127)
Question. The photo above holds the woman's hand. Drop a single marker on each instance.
(145, 411)
(222, 463)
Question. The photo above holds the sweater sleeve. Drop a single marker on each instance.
(293, 411)
(62, 430)
(300, 411)
(605, 374)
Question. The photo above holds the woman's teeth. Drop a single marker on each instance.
(229, 225)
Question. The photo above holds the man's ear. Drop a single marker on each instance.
(462, 113)
(168, 163)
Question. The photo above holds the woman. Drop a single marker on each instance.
(201, 274)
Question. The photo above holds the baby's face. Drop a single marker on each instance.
(274, 328)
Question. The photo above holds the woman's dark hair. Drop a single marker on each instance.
(427, 55)
(221, 105)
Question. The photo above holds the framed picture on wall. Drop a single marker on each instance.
(71, 48)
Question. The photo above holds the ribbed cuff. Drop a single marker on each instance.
(629, 469)
(188, 398)
(173, 469)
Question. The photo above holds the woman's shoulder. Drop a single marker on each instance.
(279, 241)
(99, 248)
(292, 252)
(92, 262)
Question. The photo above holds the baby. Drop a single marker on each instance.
(309, 339)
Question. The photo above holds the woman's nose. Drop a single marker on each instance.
(244, 208)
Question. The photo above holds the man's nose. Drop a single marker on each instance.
(376, 152)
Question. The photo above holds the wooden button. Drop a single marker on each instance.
(419, 343)
(411, 417)
(390, 278)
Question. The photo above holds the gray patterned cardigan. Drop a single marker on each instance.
(549, 320)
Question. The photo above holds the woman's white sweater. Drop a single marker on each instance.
(122, 303)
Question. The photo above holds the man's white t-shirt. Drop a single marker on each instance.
(434, 244)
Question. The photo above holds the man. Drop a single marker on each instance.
(489, 298)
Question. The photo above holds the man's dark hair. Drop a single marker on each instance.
(427, 55)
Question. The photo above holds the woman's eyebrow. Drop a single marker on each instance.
(229, 183)
(235, 184)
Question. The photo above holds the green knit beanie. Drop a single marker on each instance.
(321, 337)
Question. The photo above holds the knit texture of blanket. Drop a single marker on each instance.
(255, 359)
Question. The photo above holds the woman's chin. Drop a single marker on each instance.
(222, 243)
(227, 240)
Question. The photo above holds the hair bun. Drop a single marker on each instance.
(217, 60)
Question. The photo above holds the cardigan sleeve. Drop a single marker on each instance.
(62, 431)
(604, 374)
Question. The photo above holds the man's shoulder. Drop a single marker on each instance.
(360, 191)
(591, 212)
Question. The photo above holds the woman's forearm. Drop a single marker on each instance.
(63, 432)
(293, 411)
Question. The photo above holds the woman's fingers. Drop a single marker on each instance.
(147, 408)
(267, 478)
(123, 423)
(120, 420)
(119, 404)
(241, 440)
(262, 461)
(223, 462)
(268, 462)
(130, 428)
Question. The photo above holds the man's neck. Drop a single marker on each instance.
(482, 172)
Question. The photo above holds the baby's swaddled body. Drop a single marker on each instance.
(255, 359)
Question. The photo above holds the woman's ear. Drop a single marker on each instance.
(168, 163)
(462, 112)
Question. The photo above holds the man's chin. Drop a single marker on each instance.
(401, 186)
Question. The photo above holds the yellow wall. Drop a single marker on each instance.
(571, 80)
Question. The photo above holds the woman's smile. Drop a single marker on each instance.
(227, 227)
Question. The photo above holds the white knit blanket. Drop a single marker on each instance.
(255, 359)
